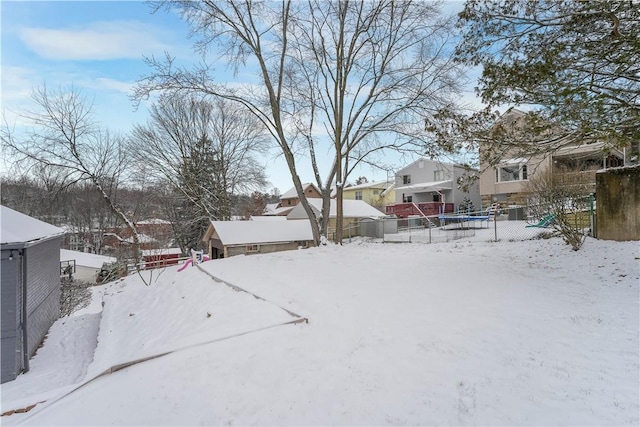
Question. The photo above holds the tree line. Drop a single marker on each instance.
(351, 81)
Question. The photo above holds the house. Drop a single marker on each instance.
(290, 199)
(377, 194)
(159, 230)
(429, 187)
(507, 182)
(30, 282)
(352, 212)
(83, 266)
(229, 238)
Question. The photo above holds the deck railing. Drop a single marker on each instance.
(404, 210)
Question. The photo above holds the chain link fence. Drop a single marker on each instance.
(512, 223)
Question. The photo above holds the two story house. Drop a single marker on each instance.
(290, 199)
(377, 194)
(429, 187)
(507, 182)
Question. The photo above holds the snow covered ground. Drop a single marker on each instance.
(458, 333)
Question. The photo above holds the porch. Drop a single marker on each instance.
(404, 210)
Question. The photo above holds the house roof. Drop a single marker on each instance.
(292, 193)
(428, 186)
(267, 218)
(142, 238)
(16, 227)
(350, 209)
(379, 184)
(437, 162)
(153, 221)
(272, 209)
(84, 259)
(253, 232)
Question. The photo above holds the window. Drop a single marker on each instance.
(511, 173)
(406, 179)
(376, 192)
(358, 195)
(438, 175)
(253, 248)
(409, 199)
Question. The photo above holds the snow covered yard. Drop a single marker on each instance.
(459, 333)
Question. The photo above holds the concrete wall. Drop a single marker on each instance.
(618, 204)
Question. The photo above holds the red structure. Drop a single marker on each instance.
(157, 258)
(404, 210)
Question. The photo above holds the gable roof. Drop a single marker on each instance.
(292, 193)
(20, 229)
(350, 209)
(379, 184)
(252, 232)
(428, 186)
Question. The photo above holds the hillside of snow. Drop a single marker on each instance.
(459, 333)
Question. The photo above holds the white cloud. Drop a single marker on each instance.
(115, 85)
(95, 41)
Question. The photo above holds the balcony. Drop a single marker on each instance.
(404, 210)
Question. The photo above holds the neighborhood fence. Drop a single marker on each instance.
(495, 223)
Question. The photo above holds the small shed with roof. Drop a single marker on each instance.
(229, 238)
(30, 272)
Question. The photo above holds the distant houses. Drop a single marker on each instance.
(30, 285)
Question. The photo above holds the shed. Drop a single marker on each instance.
(229, 238)
(30, 282)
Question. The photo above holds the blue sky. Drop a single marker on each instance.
(98, 47)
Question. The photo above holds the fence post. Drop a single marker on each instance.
(591, 230)
(495, 226)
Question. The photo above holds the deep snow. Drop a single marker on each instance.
(459, 333)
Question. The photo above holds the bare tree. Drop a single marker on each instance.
(65, 138)
(565, 195)
(372, 73)
(205, 150)
(363, 72)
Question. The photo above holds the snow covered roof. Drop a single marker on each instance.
(428, 186)
(267, 218)
(19, 228)
(249, 232)
(162, 251)
(142, 238)
(350, 209)
(85, 259)
(272, 209)
(378, 184)
(292, 193)
(153, 221)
